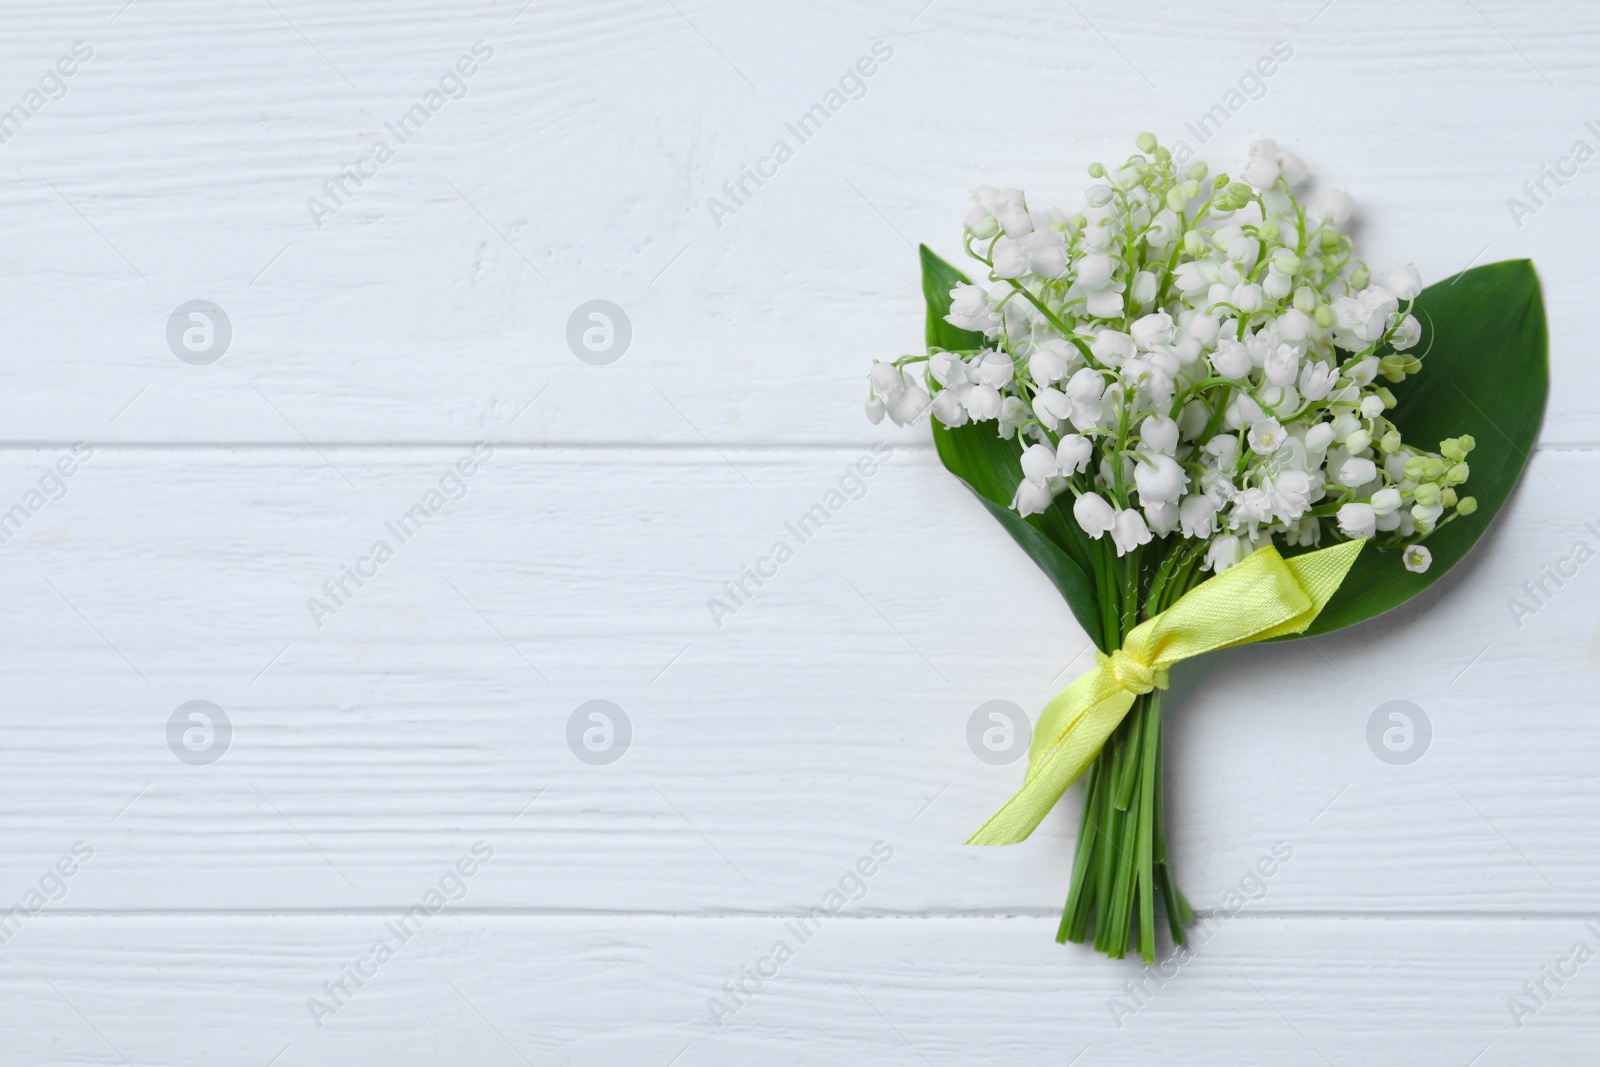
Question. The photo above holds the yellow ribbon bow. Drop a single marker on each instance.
(1261, 597)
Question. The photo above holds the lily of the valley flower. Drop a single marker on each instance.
(1094, 515)
(1417, 558)
(1191, 357)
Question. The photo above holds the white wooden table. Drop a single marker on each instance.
(223, 882)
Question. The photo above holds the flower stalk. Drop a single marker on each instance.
(1122, 873)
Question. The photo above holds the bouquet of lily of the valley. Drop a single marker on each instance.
(1209, 424)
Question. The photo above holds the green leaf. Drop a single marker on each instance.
(938, 278)
(1486, 372)
(989, 466)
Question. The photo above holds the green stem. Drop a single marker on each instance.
(1122, 870)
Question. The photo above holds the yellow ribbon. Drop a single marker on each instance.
(1260, 597)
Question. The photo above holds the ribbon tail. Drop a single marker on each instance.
(1102, 708)
(1265, 596)
(1319, 574)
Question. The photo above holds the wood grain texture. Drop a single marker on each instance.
(827, 712)
(578, 165)
(771, 747)
(472, 989)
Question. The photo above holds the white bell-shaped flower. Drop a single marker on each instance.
(1224, 551)
(1357, 520)
(1231, 359)
(1161, 518)
(1074, 453)
(971, 309)
(1266, 436)
(1031, 497)
(1095, 516)
(1404, 282)
(1159, 479)
(1152, 330)
(1112, 347)
(1198, 516)
(1159, 434)
(1282, 366)
(1416, 558)
(1129, 531)
(1010, 258)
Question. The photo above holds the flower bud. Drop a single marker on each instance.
(1387, 397)
(1194, 244)
(1143, 289)
(1221, 183)
(1361, 277)
(1269, 231)
(1146, 142)
(1305, 300)
(1234, 197)
(1285, 260)
(1466, 505)
(1425, 515)
(1451, 449)
(1358, 441)
(1457, 474)
(1426, 494)
(1177, 199)
(1447, 497)
(1197, 172)
(1097, 170)
(1468, 443)
(1324, 316)
(1331, 239)
(1389, 443)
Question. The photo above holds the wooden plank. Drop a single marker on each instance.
(830, 710)
(579, 165)
(484, 989)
